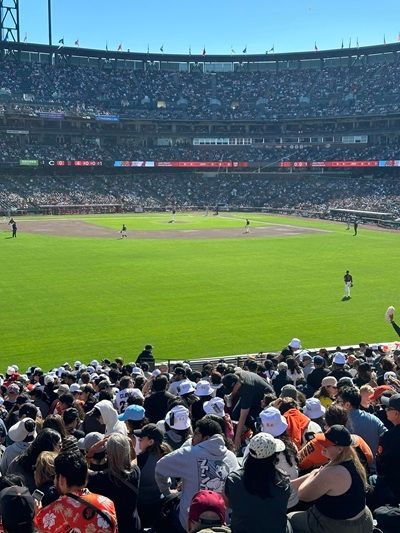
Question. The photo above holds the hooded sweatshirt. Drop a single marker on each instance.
(110, 418)
(204, 466)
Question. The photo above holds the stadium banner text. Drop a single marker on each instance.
(183, 164)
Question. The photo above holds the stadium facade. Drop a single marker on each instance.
(73, 112)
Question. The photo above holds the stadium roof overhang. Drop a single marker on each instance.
(199, 58)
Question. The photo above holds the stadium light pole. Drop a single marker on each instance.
(49, 20)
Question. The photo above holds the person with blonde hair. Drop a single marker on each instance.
(119, 482)
(338, 490)
(44, 477)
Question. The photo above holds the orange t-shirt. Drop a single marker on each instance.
(310, 456)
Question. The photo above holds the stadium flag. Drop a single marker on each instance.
(162, 48)
(244, 51)
(204, 51)
(61, 41)
(106, 46)
(26, 38)
(77, 43)
(190, 49)
(119, 49)
(232, 50)
(384, 39)
(272, 49)
(315, 46)
(342, 44)
(358, 46)
(398, 36)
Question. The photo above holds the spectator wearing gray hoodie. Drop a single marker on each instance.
(202, 466)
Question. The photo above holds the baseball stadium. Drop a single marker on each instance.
(199, 267)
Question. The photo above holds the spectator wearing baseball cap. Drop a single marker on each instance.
(327, 392)
(17, 509)
(307, 363)
(338, 490)
(13, 391)
(152, 448)
(338, 366)
(207, 510)
(386, 487)
(259, 489)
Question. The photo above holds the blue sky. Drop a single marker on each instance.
(290, 25)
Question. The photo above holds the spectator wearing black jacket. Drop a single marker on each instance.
(314, 379)
(386, 487)
(146, 356)
(156, 405)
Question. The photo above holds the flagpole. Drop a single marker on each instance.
(49, 20)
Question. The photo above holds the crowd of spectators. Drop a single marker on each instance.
(361, 88)
(314, 193)
(296, 441)
(90, 149)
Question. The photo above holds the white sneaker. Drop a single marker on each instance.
(389, 315)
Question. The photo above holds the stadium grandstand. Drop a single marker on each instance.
(241, 131)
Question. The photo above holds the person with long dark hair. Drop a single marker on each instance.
(47, 440)
(259, 489)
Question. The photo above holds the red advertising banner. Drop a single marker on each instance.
(201, 164)
(328, 164)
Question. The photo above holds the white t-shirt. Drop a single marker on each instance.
(122, 396)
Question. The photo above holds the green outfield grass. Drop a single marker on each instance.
(68, 298)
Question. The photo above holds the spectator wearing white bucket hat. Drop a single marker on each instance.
(273, 423)
(186, 391)
(216, 408)
(22, 434)
(205, 392)
(177, 426)
(315, 411)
